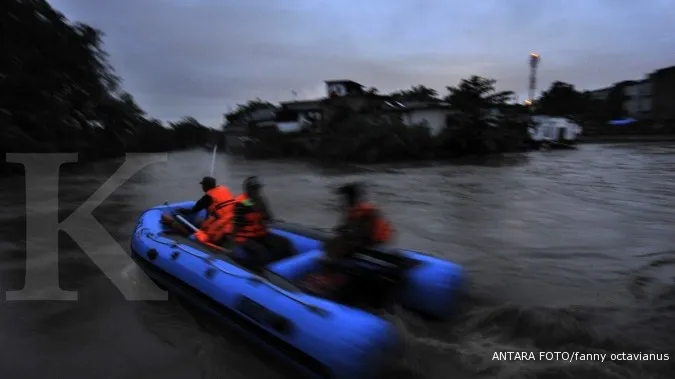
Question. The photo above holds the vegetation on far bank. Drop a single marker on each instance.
(60, 94)
(472, 128)
(483, 121)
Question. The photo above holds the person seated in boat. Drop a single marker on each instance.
(250, 228)
(218, 201)
(362, 224)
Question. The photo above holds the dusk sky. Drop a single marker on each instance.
(197, 58)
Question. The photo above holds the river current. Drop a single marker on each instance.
(565, 251)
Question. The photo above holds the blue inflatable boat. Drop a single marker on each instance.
(323, 337)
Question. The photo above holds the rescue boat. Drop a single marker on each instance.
(322, 337)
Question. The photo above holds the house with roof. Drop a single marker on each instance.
(311, 115)
(432, 114)
(298, 116)
(306, 120)
(650, 98)
(242, 131)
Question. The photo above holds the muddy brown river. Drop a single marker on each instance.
(566, 251)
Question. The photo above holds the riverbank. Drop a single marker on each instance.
(628, 138)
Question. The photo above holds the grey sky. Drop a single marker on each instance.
(180, 57)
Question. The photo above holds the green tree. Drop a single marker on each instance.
(243, 110)
(562, 100)
(477, 94)
(371, 91)
(372, 137)
(416, 93)
(483, 120)
(478, 112)
(190, 132)
(59, 93)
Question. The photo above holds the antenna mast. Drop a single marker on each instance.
(534, 63)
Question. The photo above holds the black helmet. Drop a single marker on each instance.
(252, 182)
(208, 181)
(350, 190)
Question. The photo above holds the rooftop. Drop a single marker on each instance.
(601, 90)
(301, 103)
(407, 106)
(344, 81)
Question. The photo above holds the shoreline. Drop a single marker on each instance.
(627, 138)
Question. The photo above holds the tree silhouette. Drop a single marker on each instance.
(483, 120)
(563, 100)
(371, 91)
(244, 110)
(416, 93)
(477, 93)
(58, 91)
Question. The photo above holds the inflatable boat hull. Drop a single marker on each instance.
(319, 337)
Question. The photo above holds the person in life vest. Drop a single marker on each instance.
(362, 224)
(251, 217)
(218, 201)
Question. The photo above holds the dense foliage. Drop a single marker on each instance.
(58, 93)
(416, 93)
(562, 99)
(371, 138)
(244, 110)
(482, 121)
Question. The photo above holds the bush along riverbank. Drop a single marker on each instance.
(60, 94)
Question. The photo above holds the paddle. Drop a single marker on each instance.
(181, 219)
(187, 224)
(213, 159)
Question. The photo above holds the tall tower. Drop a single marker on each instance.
(534, 62)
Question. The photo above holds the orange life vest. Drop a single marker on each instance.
(253, 225)
(223, 201)
(219, 216)
(220, 209)
(382, 230)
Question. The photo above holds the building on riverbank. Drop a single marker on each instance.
(663, 95)
(240, 133)
(635, 97)
(305, 126)
(555, 131)
(649, 99)
(638, 98)
(235, 138)
(600, 94)
(302, 123)
(433, 115)
(295, 116)
(352, 96)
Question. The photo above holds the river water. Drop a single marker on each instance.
(565, 251)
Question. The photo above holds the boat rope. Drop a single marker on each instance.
(256, 278)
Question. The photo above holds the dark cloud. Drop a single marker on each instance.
(199, 57)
